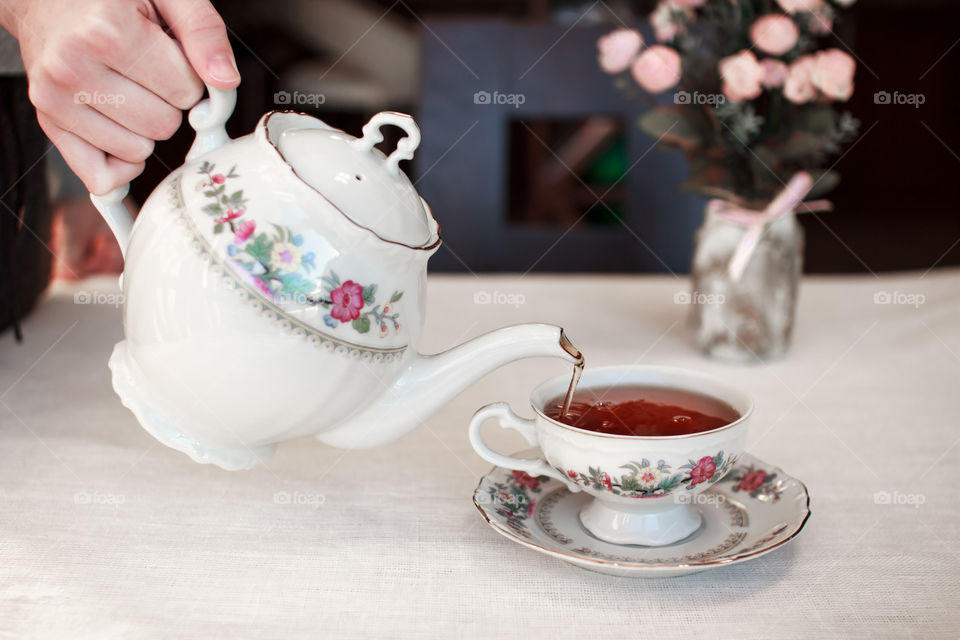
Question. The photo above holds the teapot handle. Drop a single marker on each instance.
(406, 146)
(208, 118)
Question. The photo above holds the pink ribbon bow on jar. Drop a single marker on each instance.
(756, 220)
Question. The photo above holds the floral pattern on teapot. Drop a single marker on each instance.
(276, 263)
(354, 303)
(278, 266)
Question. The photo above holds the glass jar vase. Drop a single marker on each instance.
(751, 317)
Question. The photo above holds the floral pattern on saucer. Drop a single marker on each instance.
(646, 480)
(757, 482)
(512, 499)
(542, 514)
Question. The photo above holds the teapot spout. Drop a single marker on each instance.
(429, 382)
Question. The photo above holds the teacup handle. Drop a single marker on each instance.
(507, 419)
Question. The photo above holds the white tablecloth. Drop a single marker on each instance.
(106, 533)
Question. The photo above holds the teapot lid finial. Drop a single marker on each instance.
(367, 186)
(405, 148)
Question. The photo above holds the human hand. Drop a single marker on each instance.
(107, 80)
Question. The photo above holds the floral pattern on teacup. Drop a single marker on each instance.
(277, 264)
(645, 480)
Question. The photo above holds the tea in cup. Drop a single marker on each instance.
(641, 440)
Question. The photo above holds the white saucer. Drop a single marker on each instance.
(739, 522)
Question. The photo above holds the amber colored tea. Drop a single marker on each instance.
(643, 411)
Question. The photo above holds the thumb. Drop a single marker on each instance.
(203, 35)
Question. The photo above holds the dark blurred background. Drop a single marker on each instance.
(557, 177)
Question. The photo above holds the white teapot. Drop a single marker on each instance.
(274, 288)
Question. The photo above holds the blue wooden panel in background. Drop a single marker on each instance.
(466, 182)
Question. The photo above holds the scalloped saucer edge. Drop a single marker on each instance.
(753, 510)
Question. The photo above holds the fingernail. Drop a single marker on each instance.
(223, 69)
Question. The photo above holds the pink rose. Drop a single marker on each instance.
(775, 34)
(244, 231)
(774, 73)
(525, 479)
(793, 6)
(820, 22)
(219, 178)
(703, 471)
(798, 87)
(605, 479)
(618, 48)
(833, 71)
(665, 27)
(742, 76)
(573, 475)
(347, 301)
(752, 480)
(657, 69)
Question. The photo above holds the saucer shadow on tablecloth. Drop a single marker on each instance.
(744, 517)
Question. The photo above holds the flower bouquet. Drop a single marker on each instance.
(755, 92)
(754, 95)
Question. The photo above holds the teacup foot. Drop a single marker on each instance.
(643, 526)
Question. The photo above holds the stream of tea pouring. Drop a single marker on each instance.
(577, 372)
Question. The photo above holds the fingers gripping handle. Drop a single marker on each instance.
(507, 419)
(208, 118)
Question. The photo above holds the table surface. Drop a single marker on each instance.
(105, 532)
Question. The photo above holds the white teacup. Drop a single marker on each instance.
(643, 486)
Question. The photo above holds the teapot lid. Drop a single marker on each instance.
(363, 183)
